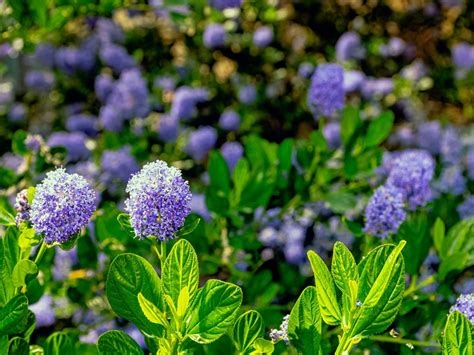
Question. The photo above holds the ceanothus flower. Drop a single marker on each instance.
(349, 47)
(74, 142)
(428, 136)
(82, 123)
(159, 201)
(201, 142)
(395, 47)
(229, 120)
(116, 57)
(263, 36)
(305, 70)
(214, 35)
(385, 211)
(39, 81)
(103, 86)
(17, 112)
(353, 80)
(168, 128)
(451, 180)
(225, 4)
(111, 119)
(282, 333)
(332, 133)
(62, 205)
(451, 146)
(247, 94)
(185, 100)
(466, 209)
(22, 207)
(326, 91)
(117, 167)
(44, 311)
(232, 152)
(465, 305)
(376, 88)
(411, 173)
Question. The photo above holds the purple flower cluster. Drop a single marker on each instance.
(74, 142)
(263, 36)
(116, 57)
(185, 101)
(82, 122)
(466, 209)
(465, 305)
(411, 173)
(232, 152)
(22, 207)
(214, 36)
(385, 211)
(39, 81)
(332, 133)
(62, 205)
(349, 47)
(451, 180)
(229, 120)
(247, 94)
(168, 128)
(158, 202)
(225, 4)
(282, 333)
(17, 112)
(326, 91)
(201, 142)
(117, 167)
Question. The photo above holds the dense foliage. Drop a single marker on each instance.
(249, 177)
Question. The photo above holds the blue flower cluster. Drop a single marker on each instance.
(326, 91)
(158, 201)
(62, 205)
(465, 305)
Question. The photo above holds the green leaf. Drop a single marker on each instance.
(263, 346)
(18, 346)
(124, 221)
(117, 342)
(39, 10)
(247, 329)
(416, 233)
(458, 333)
(328, 305)
(183, 302)
(190, 224)
(151, 312)
(18, 142)
(212, 311)
(439, 232)
(350, 122)
(382, 283)
(304, 325)
(14, 316)
(341, 201)
(219, 177)
(129, 275)
(28, 238)
(9, 254)
(6, 218)
(59, 343)
(180, 270)
(379, 129)
(343, 268)
(23, 272)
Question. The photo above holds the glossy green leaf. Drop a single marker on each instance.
(382, 283)
(151, 312)
(129, 275)
(379, 129)
(180, 270)
(263, 346)
(190, 224)
(6, 218)
(439, 232)
(343, 268)
(247, 329)
(23, 272)
(117, 342)
(350, 122)
(28, 238)
(326, 291)
(14, 316)
(416, 233)
(59, 343)
(18, 346)
(341, 201)
(9, 254)
(212, 311)
(304, 325)
(458, 335)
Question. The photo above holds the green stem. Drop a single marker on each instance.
(41, 251)
(388, 339)
(163, 255)
(345, 344)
